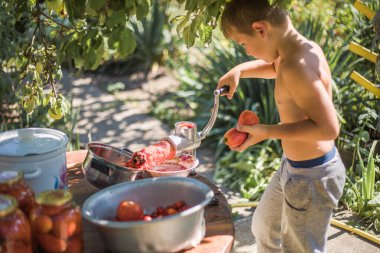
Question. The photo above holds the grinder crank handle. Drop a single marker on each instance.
(214, 113)
(220, 91)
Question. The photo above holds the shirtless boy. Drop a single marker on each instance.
(295, 210)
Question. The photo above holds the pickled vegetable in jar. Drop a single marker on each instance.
(12, 183)
(15, 234)
(57, 223)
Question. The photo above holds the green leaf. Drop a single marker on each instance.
(142, 9)
(78, 61)
(91, 60)
(128, 3)
(96, 4)
(115, 18)
(37, 78)
(29, 105)
(10, 63)
(127, 42)
(205, 33)
(371, 171)
(190, 5)
(53, 5)
(55, 113)
(284, 3)
(188, 36)
(114, 39)
(182, 24)
(177, 19)
(132, 10)
(78, 7)
(46, 100)
(72, 49)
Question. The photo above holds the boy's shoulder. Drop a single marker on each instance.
(304, 58)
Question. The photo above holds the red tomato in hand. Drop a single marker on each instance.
(129, 211)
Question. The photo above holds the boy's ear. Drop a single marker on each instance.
(260, 27)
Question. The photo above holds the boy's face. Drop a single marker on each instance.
(256, 44)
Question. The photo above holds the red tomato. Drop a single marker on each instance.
(160, 210)
(179, 204)
(170, 211)
(129, 211)
(147, 218)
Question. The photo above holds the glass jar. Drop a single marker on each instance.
(57, 223)
(15, 234)
(12, 183)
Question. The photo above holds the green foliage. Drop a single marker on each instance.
(250, 171)
(361, 193)
(48, 33)
(201, 18)
(357, 107)
(154, 43)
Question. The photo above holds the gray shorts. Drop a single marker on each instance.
(295, 210)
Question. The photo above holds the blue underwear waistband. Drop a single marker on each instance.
(315, 161)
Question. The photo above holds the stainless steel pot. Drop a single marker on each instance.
(103, 167)
(170, 233)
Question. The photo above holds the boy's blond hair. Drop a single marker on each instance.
(240, 14)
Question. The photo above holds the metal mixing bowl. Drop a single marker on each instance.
(102, 166)
(170, 233)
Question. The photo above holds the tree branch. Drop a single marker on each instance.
(55, 21)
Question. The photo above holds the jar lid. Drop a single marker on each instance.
(10, 176)
(54, 197)
(31, 141)
(8, 205)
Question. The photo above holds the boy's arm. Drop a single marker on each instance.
(257, 69)
(251, 69)
(310, 95)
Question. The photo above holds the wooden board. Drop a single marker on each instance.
(220, 230)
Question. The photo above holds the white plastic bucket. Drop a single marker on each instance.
(40, 153)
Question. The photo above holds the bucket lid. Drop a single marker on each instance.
(31, 141)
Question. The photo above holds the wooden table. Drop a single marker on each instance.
(220, 230)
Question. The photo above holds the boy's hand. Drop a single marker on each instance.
(230, 79)
(256, 134)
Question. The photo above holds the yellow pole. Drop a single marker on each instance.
(359, 232)
(363, 9)
(365, 83)
(334, 222)
(363, 52)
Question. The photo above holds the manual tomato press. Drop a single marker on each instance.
(186, 138)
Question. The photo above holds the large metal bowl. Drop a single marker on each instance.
(102, 166)
(170, 233)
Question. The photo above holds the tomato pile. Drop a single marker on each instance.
(131, 211)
